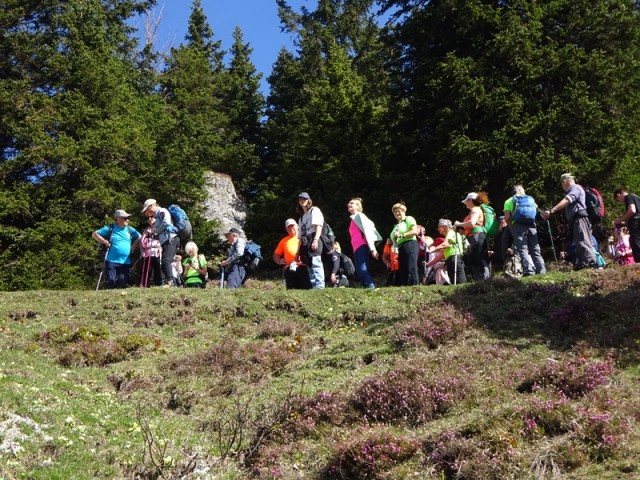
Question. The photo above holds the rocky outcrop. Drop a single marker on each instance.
(223, 203)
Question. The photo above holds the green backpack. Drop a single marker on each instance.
(490, 222)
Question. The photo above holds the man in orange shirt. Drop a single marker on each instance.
(296, 274)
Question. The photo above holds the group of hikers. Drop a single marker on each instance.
(312, 259)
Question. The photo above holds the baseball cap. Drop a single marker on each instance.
(290, 221)
(470, 196)
(304, 195)
(148, 203)
(443, 222)
(233, 230)
(567, 176)
(121, 214)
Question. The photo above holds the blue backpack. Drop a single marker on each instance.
(252, 256)
(181, 222)
(524, 210)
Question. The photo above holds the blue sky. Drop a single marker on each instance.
(258, 20)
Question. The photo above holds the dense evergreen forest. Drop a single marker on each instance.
(412, 100)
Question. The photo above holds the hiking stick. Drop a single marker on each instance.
(104, 265)
(553, 247)
(222, 278)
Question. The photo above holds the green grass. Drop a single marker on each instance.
(503, 379)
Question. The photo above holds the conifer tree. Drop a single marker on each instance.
(74, 140)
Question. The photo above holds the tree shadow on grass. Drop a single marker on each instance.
(592, 309)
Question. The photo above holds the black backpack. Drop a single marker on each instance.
(347, 265)
(327, 237)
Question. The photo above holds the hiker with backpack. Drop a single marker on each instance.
(296, 273)
(167, 234)
(363, 235)
(151, 253)
(194, 267)
(520, 211)
(339, 267)
(403, 239)
(310, 226)
(234, 265)
(631, 217)
(574, 204)
(120, 240)
(476, 234)
(451, 248)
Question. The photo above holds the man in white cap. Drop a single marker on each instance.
(120, 240)
(296, 274)
(166, 233)
(574, 203)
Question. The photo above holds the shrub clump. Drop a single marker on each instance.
(546, 417)
(573, 377)
(603, 432)
(431, 327)
(231, 356)
(68, 333)
(370, 457)
(102, 352)
(454, 456)
(308, 414)
(405, 395)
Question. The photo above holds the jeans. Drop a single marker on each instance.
(316, 272)
(117, 274)
(168, 253)
(525, 239)
(361, 257)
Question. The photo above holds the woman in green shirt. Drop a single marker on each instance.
(194, 267)
(404, 238)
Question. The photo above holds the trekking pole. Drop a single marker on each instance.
(104, 265)
(222, 278)
(553, 247)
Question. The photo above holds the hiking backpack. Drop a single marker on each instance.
(524, 210)
(252, 256)
(347, 265)
(181, 222)
(594, 203)
(490, 223)
(327, 237)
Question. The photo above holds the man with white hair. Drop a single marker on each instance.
(234, 263)
(574, 203)
(520, 212)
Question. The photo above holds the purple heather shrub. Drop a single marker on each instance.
(308, 414)
(574, 377)
(603, 431)
(545, 417)
(405, 395)
(370, 457)
(433, 325)
(455, 456)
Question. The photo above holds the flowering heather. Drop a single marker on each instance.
(325, 407)
(369, 458)
(573, 377)
(545, 417)
(603, 431)
(405, 395)
(432, 326)
(458, 457)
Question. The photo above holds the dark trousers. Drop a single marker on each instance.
(479, 256)
(408, 264)
(117, 274)
(634, 237)
(168, 253)
(236, 276)
(298, 280)
(455, 272)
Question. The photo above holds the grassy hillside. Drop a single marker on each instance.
(496, 380)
